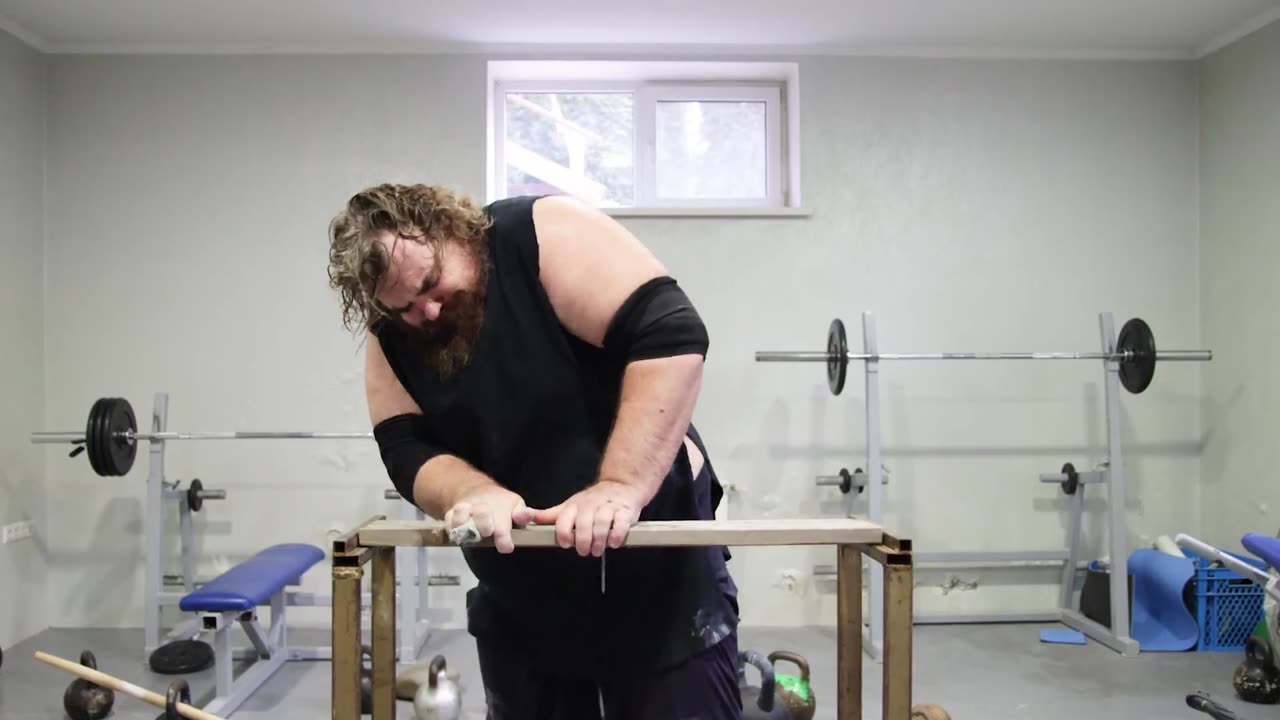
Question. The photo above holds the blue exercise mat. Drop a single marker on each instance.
(1264, 546)
(1161, 622)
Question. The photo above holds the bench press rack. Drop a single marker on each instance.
(375, 541)
(414, 607)
(232, 597)
(1128, 361)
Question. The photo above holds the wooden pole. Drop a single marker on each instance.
(649, 533)
(347, 575)
(384, 633)
(107, 681)
(896, 689)
(849, 632)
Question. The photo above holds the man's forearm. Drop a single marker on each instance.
(654, 410)
(442, 481)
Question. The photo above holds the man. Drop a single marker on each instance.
(532, 362)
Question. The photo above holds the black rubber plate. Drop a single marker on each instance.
(182, 656)
(1137, 372)
(110, 454)
(837, 356)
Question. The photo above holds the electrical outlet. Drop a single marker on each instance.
(14, 532)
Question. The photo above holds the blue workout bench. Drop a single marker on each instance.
(234, 596)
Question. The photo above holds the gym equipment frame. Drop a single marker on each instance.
(375, 541)
(268, 647)
(1128, 362)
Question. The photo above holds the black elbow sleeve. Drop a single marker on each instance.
(403, 451)
(657, 320)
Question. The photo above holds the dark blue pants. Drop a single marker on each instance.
(704, 687)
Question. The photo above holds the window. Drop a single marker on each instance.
(661, 136)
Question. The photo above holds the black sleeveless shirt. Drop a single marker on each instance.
(533, 409)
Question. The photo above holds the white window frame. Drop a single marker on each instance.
(649, 84)
(647, 98)
(537, 86)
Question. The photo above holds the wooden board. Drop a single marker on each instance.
(800, 531)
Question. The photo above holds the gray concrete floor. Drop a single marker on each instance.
(976, 672)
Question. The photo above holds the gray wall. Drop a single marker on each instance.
(1240, 251)
(23, 564)
(971, 205)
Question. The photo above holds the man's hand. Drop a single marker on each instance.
(601, 514)
(495, 511)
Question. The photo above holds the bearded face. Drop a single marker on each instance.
(435, 294)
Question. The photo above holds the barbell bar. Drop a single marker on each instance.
(111, 436)
(74, 437)
(1135, 352)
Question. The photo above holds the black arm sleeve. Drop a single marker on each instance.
(657, 320)
(403, 451)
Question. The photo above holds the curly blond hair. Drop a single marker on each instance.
(429, 214)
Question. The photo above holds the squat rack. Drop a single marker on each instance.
(110, 440)
(1129, 361)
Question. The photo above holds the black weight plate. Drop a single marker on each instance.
(94, 440)
(194, 501)
(1072, 483)
(121, 449)
(1136, 340)
(837, 356)
(182, 656)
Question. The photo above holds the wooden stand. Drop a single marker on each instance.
(375, 540)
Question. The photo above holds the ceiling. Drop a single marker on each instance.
(1035, 28)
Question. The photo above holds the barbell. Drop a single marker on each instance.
(111, 436)
(1135, 352)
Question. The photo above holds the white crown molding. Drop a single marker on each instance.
(1251, 25)
(605, 51)
(14, 28)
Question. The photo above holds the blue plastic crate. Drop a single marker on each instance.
(1228, 606)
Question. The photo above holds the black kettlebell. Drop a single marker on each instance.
(1256, 679)
(759, 703)
(85, 700)
(179, 692)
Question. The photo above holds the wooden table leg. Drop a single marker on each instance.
(384, 633)
(346, 639)
(898, 618)
(849, 632)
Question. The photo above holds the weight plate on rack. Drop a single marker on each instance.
(1072, 483)
(194, 500)
(123, 448)
(1136, 340)
(93, 439)
(180, 657)
(837, 356)
(110, 452)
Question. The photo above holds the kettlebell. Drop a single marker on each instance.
(178, 692)
(1256, 680)
(758, 703)
(440, 697)
(794, 692)
(927, 711)
(85, 700)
